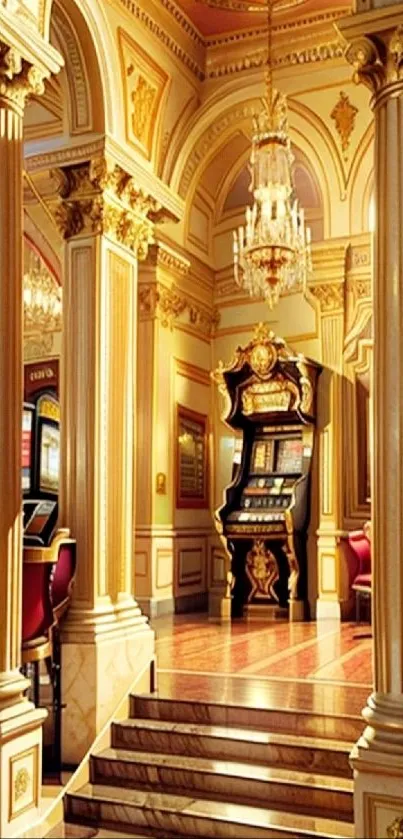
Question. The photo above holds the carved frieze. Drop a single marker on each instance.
(167, 304)
(257, 58)
(100, 197)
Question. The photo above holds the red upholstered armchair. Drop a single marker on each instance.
(360, 544)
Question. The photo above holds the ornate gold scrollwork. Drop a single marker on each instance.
(262, 571)
(395, 829)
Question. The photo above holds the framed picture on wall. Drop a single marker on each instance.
(191, 459)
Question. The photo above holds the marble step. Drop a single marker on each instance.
(166, 815)
(308, 754)
(250, 784)
(64, 830)
(286, 721)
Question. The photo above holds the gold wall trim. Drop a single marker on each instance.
(193, 372)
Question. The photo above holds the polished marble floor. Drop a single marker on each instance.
(323, 667)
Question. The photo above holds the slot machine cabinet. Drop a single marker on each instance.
(270, 394)
(40, 480)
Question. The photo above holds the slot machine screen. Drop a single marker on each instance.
(26, 462)
(289, 456)
(262, 456)
(49, 458)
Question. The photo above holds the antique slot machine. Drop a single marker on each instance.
(270, 396)
(40, 469)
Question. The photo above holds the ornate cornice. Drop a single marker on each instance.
(161, 255)
(156, 301)
(18, 79)
(100, 197)
(257, 58)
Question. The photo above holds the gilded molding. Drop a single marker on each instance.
(18, 78)
(329, 295)
(377, 60)
(162, 256)
(100, 197)
(257, 58)
(163, 36)
(156, 301)
(231, 117)
(344, 114)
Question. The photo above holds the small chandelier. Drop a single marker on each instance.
(272, 252)
(42, 296)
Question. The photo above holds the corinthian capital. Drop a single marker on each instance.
(18, 78)
(377, 59)
(99, 197)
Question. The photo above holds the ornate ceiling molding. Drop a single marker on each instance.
(166, 39)
(257, 58)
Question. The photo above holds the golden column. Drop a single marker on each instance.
(376, 52)
(161, 302)
(107, 643)
(327, 287)
(20, 721)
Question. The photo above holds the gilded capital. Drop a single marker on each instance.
(18, 79)
(377, 59)
(99, 197)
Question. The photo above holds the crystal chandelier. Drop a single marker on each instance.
(272, 252)
(42, 296)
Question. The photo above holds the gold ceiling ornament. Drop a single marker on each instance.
(42, 296)
(344, 114)
(272, 252)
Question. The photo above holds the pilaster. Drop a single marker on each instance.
(376, 52)
(172, 323)
(328, 290)
(107, 225)
(20, 722)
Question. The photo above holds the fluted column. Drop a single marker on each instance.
(20, 722)
(376, 52)
(107, 642)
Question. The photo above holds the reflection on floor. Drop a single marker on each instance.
(306, 666)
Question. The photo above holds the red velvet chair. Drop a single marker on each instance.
(48, 579)
(37, 619)
(360, 545)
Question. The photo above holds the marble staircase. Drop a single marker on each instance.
(196, 769)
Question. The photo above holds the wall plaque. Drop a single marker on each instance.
(191, 459)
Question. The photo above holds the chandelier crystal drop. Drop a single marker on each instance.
(272, 251)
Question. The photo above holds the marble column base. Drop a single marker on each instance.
(328, 609)
(377, 760)
(20, 766)
(98, 668)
